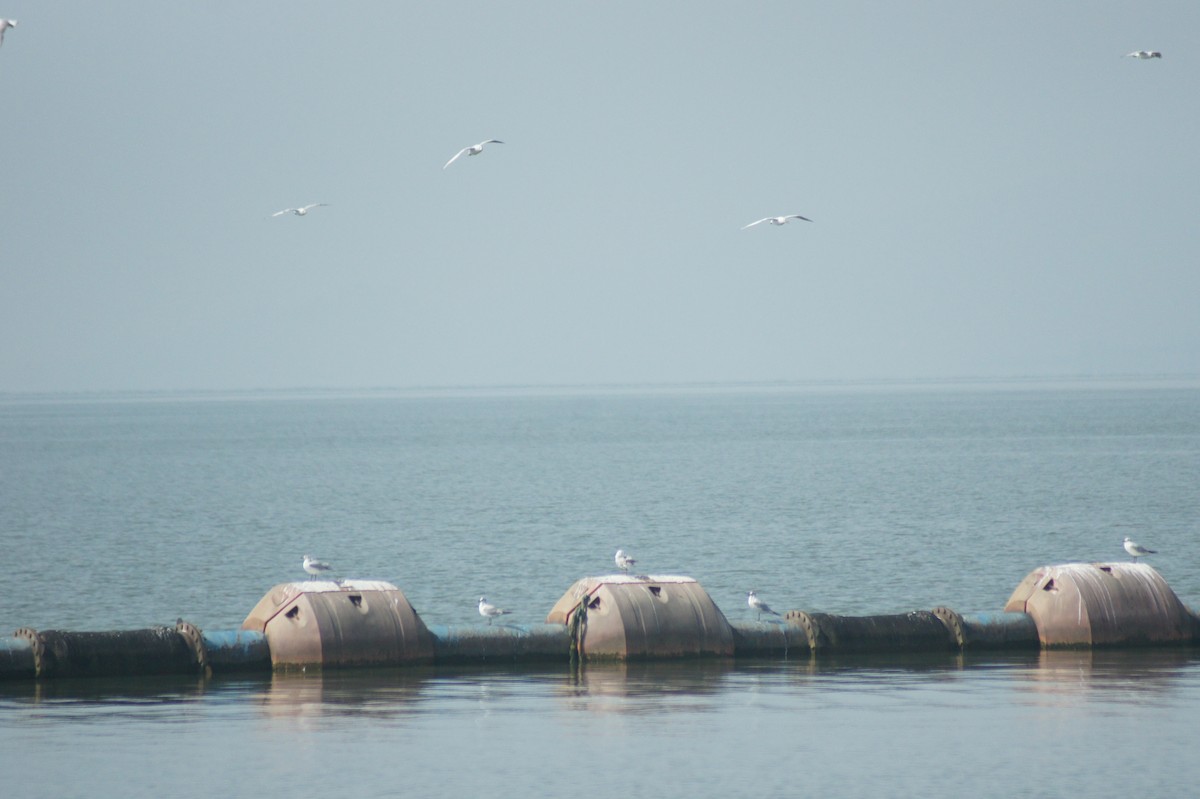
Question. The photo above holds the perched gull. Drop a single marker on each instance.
(1136, 549)
(298, 211)
(5, 24)
(474, 149)
(1142, 55)
(490, 611)
(777, 220)
(624, 561)
(758, 605)
(316, 567)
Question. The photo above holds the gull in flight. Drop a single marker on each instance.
(1136, 549)
(474, 149)
(624, 561)
(5, 24)
(777, 220)
(1142, 55)
(758, 605)
(316, 567)
(299, 211)
(490, 611)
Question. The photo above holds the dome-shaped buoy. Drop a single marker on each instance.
(346, 623)
(1103, 604)
(632, 617)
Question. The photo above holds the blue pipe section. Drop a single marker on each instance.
(16, 659)
(482, 643)
(1000, 631)
(237, 650)
(771, 638)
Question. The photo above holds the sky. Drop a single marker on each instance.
(995, 191)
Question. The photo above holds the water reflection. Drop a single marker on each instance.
(1129, 675)
(1041, 677)
(106, 690)
(646, 687)
(370, 693)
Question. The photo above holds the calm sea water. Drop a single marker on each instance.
(130, 512)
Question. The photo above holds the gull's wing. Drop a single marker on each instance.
(797, 216)
(759, 222)
(490, 141)
(314, 205)
(284, 211)
(456, 155)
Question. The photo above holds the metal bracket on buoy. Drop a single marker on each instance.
(195, 639)
(35, 643)
(812, 629)
(954, 624)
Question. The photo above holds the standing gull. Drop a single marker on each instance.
(777, 220)
(758, 605)
(1142, 55)
(1136, 549)
(316, 567)
(623, 561)
(299, 211)
(490, 611)
(474, 149)
(5, 24)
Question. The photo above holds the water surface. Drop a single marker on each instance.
(129, 512)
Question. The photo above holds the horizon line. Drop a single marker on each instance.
(601, 387)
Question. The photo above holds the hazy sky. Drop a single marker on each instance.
(995, 192)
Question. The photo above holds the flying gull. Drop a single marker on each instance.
(758, 605)
(490, 611)
(5, 24)
(623, 561)
(298, 211)
(316, 567)
(474, 149)
(777, 220)
(1136, 549)
(1142, 55)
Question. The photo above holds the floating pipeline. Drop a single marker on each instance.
(613, 617)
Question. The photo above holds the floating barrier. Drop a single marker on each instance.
(614, 617)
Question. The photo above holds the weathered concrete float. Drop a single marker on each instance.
(351, 623)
